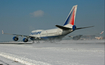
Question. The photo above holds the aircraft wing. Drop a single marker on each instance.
(84, 27)
(17, 34)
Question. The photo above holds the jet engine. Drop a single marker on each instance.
(25, 40)
(15, 38)
(73, 27)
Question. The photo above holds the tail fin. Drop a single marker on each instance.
(71, 17)
(102, 32)
(2, 32)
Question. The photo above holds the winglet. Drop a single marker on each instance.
(2, 32)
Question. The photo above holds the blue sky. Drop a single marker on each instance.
(23, 16)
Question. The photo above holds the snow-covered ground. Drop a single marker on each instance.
(65, 52)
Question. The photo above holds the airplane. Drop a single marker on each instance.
(51, 34)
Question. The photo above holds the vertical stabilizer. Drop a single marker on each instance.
(2, 32)
(71, 17)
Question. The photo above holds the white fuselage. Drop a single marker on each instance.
(51, 33)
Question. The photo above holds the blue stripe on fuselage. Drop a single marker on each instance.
(48, 37)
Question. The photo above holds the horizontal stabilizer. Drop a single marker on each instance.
(62, 27)
(84, 27)
(2, 32)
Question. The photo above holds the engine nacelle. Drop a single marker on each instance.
(15, 38)
(25, 40)
(74, 27)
